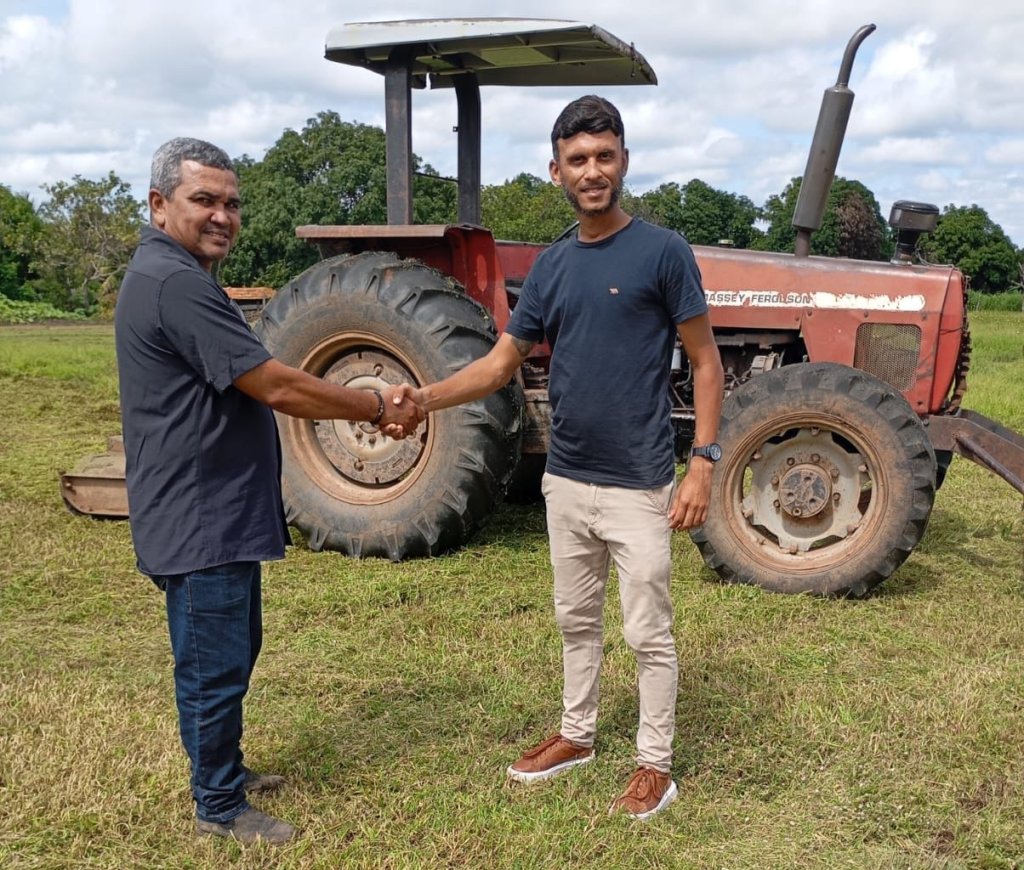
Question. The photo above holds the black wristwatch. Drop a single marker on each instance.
(711, 452)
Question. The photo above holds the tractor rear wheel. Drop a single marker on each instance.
(365, 322)
(825, 486)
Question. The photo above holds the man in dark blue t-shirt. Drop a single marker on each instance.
(203, 464)
(610, 301)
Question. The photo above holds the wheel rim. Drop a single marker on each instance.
(804, 492)
(353, 461)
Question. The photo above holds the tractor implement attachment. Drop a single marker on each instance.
(985, 442)
(96, 485)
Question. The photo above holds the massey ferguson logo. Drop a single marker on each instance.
(785, 299)
(760, 298)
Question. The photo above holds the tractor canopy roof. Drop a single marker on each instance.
(499, 51)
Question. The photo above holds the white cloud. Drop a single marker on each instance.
(90, 86)
(913, 149)
(1007, 152)
(23, 38)
(906, 89)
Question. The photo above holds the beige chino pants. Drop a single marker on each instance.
(588, 525)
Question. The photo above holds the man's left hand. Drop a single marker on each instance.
(693, 495)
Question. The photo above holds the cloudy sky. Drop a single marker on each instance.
(89, 86)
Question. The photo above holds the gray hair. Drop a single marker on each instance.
(166, 171)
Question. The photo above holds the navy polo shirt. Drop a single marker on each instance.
(609, 310)
(203, 459)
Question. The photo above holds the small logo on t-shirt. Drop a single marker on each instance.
(614, 291)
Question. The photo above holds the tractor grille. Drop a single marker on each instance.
(889, 351)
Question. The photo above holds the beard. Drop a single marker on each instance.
(574, 201)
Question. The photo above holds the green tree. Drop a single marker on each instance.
(969, 239)
(852, 225)
(711, 215)
(705, 215)
(332, 172)
(20, 229)
(778, 213)
(663, 205)
(91, 229)
(526, 209)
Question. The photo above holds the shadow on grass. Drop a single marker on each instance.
(908, 581)
(725, 728)
(431, 723)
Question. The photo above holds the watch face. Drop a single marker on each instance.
(711, 451)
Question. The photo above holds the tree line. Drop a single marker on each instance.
(71, 252)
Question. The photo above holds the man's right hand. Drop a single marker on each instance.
(402, 411)
(410, 393)
(477, 380)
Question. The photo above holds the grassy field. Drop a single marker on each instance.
(879, 733)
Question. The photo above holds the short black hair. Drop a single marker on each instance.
(589, 114)
(166, 170)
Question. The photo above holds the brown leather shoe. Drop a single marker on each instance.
(249, 827)
(550, 758)
(649, 792)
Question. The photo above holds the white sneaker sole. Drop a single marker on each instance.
(541, 775)
(671, 793)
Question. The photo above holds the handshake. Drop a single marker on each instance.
(403, 411)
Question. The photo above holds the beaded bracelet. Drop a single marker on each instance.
(380, 409)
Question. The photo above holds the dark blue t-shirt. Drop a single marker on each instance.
(609, 311)
(203, 459)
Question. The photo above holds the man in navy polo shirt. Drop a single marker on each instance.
(610, 301)
(204, 464)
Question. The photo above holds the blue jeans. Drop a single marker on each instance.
(215, 620)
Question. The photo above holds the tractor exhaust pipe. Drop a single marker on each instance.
(828, 140)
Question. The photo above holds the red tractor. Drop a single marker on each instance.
(844, 378)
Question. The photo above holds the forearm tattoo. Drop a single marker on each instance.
(522, 346)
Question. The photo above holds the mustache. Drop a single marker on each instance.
(613, 200)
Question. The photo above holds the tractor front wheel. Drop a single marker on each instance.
(825, 486)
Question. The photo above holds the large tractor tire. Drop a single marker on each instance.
(367, 321)
(825, 485)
